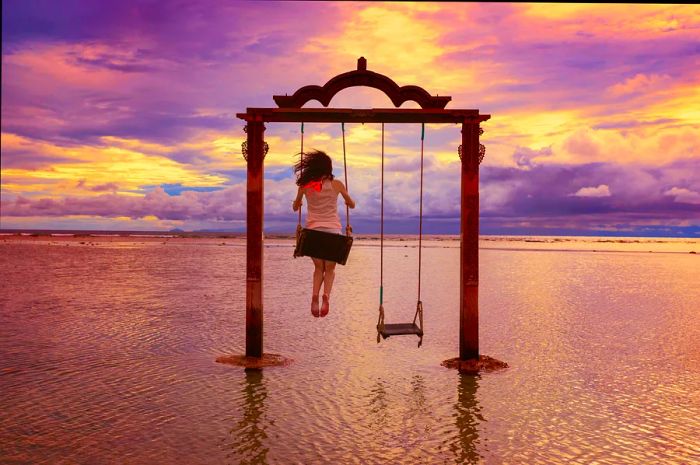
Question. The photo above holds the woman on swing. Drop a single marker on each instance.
(315, 179)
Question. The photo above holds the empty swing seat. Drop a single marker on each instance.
(400, 329)
(386, 330)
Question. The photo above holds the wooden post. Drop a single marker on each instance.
(254, 242)
(469, 244)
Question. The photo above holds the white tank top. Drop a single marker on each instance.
(322, 207)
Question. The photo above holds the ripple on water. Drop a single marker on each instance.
(108, 353)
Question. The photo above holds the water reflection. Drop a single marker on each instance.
(467, 416)
(418, 394)
(80, 336)
(248, 437)
(378, 404)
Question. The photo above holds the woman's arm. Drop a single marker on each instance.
(340, 187)
(296, 205)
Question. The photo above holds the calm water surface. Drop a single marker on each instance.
(107, 356)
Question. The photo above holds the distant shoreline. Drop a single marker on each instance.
(511, 243)
(96, 234)
(143, 235)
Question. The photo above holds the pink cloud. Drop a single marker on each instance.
(600, 191)
(683, 195)
(639, 83)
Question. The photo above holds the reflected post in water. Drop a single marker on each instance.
(467, 417)
(249, 435)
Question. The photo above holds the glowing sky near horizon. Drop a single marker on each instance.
(121, 114)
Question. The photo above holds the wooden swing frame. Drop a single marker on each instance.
(432, 110)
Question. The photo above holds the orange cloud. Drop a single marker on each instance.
(82, 168)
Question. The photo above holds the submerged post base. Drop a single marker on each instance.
(267, 360)
(473, 366)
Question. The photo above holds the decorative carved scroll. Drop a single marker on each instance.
(244, 149)
(361, 77)
(244, 146)
(482, 150)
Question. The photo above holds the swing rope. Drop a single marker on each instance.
(380, 322)
(420, 221)
(348, 228)
(419, 304)
(301, 154)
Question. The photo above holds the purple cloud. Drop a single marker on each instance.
(524, 156)
(173, 72)
(189, 205)
(174, 58)
(545, 190)
(540, 194)
(108, 187)
(29, 160)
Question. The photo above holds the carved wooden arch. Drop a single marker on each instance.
(361, 77)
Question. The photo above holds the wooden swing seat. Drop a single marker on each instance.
(400, 329)
(323, 245)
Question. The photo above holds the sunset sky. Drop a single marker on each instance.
(121, 114)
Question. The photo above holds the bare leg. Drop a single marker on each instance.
(318, 276)
(328, 276)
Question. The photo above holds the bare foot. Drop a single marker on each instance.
(326, 306)
(314, 306)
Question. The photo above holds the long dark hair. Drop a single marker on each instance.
(312, 166)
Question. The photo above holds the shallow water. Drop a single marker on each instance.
(107, 356)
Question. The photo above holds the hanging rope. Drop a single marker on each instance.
(419, 305)
(348, 228)
(420, 221)
(381, 241)
(301, 154)
(380, 323)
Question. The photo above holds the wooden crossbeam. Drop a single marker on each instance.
(369, 115)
